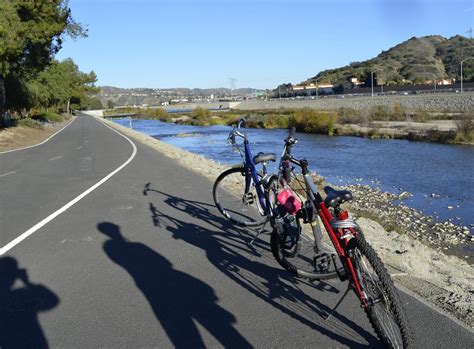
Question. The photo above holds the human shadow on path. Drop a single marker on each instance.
(177, 299)
(227, 248)
(19, 307)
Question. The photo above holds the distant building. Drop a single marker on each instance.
(355, 81)
(310, 88)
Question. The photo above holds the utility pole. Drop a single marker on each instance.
(372, 80)
(232, 82)
(316, 81)
(469, 32)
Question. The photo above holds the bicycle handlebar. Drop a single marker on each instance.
(289, 142)
(241, 122)
(292, 131)
(235, 131)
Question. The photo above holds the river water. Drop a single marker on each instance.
(440, 177)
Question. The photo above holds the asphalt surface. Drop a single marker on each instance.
(145, 260)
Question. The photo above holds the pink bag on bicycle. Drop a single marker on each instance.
(289, 201)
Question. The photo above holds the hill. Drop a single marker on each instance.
(414, 61)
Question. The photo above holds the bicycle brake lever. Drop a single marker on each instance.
(231, 138)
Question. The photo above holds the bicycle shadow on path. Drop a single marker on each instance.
(176, 298)
(228, 249)
(20, 306)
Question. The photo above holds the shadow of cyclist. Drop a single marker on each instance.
(177, 299)
(227, 248)
(19, 307)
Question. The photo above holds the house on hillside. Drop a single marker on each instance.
(310, 89)
(355, 81)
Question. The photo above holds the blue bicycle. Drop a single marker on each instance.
(242, 193)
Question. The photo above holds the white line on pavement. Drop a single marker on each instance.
(52, 216)
(32, 146)
(9, 173)
(57, 157)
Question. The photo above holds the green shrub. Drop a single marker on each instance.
(48, 116)
(420, 116)
(156, 113)
(276, 121)
(312, 121)
(28, 122)
(465, 123)
(201, 114)
(464, 137)
(347, 115)
(39, 117)
(399, 112)
(380, 112)
(255, 122)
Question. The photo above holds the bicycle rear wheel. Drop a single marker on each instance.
(231, 200)
(384, 308)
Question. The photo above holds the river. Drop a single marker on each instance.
(440, 177)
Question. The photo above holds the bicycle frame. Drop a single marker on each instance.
(251, 174)
(340, 237)
(344, 235)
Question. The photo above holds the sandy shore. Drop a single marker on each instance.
(445, 281)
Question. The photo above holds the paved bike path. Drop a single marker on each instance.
(146, 260)
(35, 182)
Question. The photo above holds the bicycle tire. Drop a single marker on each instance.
(384, 308)
(301, 263)
(239, 209)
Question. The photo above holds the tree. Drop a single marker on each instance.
(31, 32)
(61, 84)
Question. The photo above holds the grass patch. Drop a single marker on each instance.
(28, 122)
(139, 113)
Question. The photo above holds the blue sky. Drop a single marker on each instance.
(259, 43)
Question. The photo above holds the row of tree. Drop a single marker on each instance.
(31, 33)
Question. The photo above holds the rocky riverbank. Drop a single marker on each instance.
(413, 248)
(393, 216)
(433, 102)
(429, 101)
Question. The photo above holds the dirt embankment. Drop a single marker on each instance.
(19, 137)
(446, 281)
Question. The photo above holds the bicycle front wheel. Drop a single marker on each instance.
(240, 207)
(304, 260)
(383, 308)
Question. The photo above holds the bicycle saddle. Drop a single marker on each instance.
(262, 157)
(336, 197)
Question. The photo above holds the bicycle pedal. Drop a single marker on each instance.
(248, 199)
(322, 262)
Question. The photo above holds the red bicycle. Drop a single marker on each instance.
(353, 260)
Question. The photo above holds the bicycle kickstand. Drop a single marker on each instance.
(338, 303)
(257, 234)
